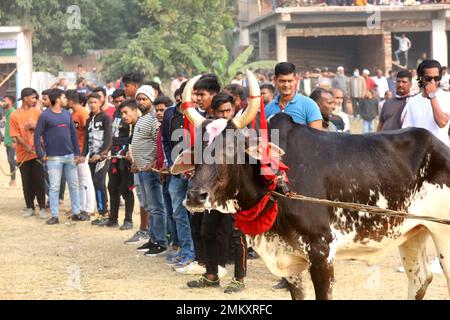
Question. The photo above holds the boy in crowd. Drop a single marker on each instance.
(22, 125)
(121, 182)
(8, 106)
(97, 144)
(220, 225)
(143, 151)
(80, 117)
(61, 152)
(172, 124)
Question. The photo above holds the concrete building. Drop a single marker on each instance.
(351, 36)
(15, 51)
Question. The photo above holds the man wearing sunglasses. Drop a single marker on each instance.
(430, 109)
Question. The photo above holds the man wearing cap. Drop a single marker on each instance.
(340, 82)
(22, 125)
(357, 90)
(370, 84)
(143, 150)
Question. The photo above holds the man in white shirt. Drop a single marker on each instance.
(404, 46)
(431, 108)
(444, 84)
(381, 82)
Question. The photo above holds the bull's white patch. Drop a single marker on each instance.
(430, 200)
(215, 128)
(280, 257)
(231, 206)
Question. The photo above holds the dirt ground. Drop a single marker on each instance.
(82, 262)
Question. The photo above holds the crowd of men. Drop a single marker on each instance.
(108, 152)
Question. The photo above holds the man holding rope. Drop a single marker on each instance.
(22, 125)
(61, 152)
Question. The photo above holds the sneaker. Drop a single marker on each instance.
(435, 266)
(139, 237)
(127, 225)
(52, 221)
(111, 224)
(401, 269)
(80, 217)
(100, 221)
(29, 213)
(204, 282)
(155, 250)
(234, 286)
(183, 263)
(145, 247)
(42, 214)
(186, 267)
(280, 285)
(222, 271)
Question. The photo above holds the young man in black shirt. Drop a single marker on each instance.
(121, 182)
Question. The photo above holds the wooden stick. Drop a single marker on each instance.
(10, 74)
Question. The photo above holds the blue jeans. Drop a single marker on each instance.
(368, 126)
(177, 189)
(57, 167)
(152, 200)
(405, 53)
(171, 226)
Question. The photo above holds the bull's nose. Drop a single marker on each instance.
(197, 195)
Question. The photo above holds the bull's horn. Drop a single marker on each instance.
(253, 104)
(194, 117)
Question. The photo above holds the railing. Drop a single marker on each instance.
(252, 9)
(309, 3)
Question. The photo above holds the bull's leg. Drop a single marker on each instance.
(321, 269)
(414, 259)
(297, 287)
(441, 238)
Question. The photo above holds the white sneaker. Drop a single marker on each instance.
(28, 213)
(435, 266)
(193, 268)
(401, 269)
(222, 272)
(42, 214)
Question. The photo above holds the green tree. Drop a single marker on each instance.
(103, 24)
(177, 31)
(226, 68)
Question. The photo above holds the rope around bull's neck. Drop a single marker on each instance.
(360, 207)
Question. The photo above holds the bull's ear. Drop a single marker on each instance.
(255, 151)
(183, 163)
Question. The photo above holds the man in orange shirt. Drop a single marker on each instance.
(22, 125)
(80, 115)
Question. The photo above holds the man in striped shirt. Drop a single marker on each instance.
(144, 150)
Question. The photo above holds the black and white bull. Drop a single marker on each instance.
(407, 170)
